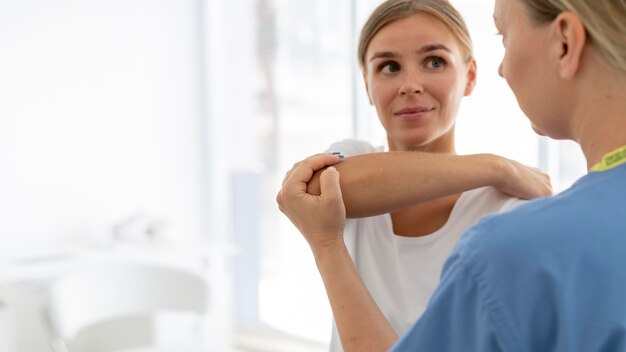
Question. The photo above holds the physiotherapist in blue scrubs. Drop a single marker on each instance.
(547, 276)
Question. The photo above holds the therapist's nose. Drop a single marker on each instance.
(500, 70)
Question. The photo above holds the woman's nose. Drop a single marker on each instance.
(500, 70)
(411, 85)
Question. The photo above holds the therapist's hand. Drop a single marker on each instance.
(320, 218)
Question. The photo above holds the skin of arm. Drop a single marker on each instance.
(378, 183)
(321, 219)
(360, 323)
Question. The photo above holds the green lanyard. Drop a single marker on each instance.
(611, 160)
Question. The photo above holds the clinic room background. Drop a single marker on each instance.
(159, 131)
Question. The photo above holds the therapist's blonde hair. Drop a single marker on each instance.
(604, 21)
(393, 10)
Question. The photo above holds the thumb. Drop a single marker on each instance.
(329, 183)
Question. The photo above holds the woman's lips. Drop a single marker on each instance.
(413, 113)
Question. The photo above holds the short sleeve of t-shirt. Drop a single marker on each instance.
(351, 147)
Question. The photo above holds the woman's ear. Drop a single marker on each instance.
(571, 37)
(471, 77)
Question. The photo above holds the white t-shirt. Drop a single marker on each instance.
(401, 273)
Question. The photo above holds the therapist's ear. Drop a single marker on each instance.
(570, 32)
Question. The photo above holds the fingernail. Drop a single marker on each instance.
(338, 154)
(331, 168)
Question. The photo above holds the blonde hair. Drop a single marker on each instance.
(393, 10)
(604, 21)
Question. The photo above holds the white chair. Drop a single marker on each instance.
(112, 307)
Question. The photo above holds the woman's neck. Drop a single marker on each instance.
(442, 145)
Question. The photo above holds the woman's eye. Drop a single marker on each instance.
(390, 67)
(435, 62)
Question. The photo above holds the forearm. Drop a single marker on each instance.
(378, 183)
(321, 220)
(361, 325)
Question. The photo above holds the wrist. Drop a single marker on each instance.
(497, 170)
(328, 251)
(503, 171)
(487, 169)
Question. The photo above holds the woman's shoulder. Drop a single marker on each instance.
(349, 147)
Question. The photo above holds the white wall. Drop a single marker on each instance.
(100, 118)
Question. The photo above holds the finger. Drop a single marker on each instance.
(286, 176)
(288, 173)
(320, 161)
(304, 170)
(329, 184)
(314, 162)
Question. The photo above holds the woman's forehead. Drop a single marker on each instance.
(415, 31)
(420, 27)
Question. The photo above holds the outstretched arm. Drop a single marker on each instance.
(321, 218)
(378, 183)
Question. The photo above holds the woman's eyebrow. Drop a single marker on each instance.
(433, 47)
(382, 54)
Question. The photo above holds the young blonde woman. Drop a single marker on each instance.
(417, 65)
(548, 275)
